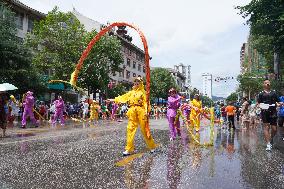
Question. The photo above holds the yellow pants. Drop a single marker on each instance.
(94, 116)
(136, 115)
(195, 121)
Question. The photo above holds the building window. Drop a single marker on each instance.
(128, 62)
(139, 57)
(30, 25)
(134, 65)
(134, 74)
(127, 74)
(143, 69)
(139, 67)
(19, 20)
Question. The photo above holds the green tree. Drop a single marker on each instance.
(233, 97)
(161, 82)
(103, 60)
(206, 101)
(57, 43)
(116, 91)
(16, 59)
(266, 19)
(193, 92)
(250, 83)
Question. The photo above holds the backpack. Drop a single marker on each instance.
(281, 110)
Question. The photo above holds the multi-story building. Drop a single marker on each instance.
(252, 61)
(207, 84)
(243, 57)
(89, 24)
(133, 64)
(133, 56)
(179, 74)
(179, 78)
(25, 17)
(185, 70)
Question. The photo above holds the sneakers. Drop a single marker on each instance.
(126, 153)
(268, 147)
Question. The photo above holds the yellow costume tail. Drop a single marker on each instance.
(74, 77)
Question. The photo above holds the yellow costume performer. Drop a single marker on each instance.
(94, 111)
(195, 113)
(137, 113)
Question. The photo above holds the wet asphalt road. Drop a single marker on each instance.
(87, 156)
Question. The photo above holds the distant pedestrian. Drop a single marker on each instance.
(28, 104)
(3, 115)
(281, 116)
(230, 109)
(59, 110)
(223, 114)
(85, 108)
(245, 114)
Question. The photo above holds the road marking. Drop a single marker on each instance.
(132, 157)
(128, 159)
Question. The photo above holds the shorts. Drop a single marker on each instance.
(269, 117)
(280, 121)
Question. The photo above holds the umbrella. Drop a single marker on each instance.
(7, 87)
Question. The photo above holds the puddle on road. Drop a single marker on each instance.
(24, 135)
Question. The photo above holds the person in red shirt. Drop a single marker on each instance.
(223, 114)
(230, 110)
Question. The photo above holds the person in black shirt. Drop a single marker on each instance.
(267, 100)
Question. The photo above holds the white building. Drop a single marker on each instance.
(185, 70)
(207, 84)
(25, 17)
(89, 24)
(179, 78)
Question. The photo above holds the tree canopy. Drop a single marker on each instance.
(266, 21)
(266, 18)
(233, 97)
(16, 59)
(58, 42)
(161, 82)
(103, 60)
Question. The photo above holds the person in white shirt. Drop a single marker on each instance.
(85, 109)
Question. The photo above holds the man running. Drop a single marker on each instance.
(267, 100)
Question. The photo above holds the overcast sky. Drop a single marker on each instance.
(206, 34)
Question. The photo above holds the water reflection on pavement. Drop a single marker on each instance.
(89, 156)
